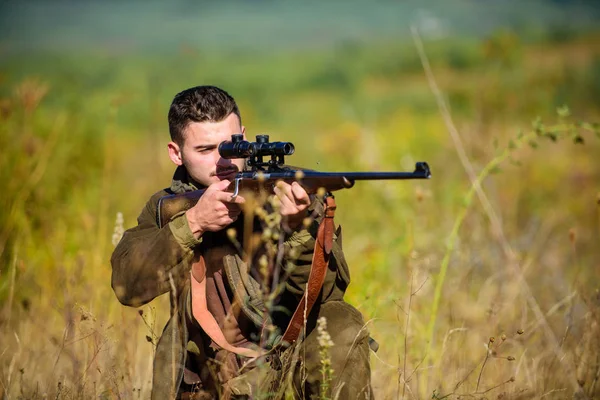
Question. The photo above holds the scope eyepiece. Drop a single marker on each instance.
(237, 148)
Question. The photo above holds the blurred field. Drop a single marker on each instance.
(83, 137)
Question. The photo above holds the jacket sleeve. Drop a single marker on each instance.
(148, 256)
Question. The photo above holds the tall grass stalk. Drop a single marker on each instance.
(476, 188)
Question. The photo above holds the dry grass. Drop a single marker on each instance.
(439, 267)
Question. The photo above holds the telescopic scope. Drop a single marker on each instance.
(266, 148)
(240, 148)
(237, 148)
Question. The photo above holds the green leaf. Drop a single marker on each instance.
(520, 134)
(563, 111)
(577, 139)
(495, 170)
(537, 125)
(552, 136)
(533, 144)
(512, 145)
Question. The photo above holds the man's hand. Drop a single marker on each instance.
(215, 210)
(294, 203)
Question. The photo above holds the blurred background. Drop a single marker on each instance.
(437, 268)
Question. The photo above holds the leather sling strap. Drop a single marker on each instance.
(204, 317)
(318, 271)
(316, 278)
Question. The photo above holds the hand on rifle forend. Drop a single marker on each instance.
(294, 203)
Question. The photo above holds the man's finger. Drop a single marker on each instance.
(284, 190)
(285, 196)
(300, 194)
(233, 207)
(234, 213)
(226, 197)
(220, 186)
(287, 203)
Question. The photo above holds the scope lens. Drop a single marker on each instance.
(288, 149)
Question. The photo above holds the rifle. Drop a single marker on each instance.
(262, 175)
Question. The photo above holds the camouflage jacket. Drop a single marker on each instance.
(150, 261)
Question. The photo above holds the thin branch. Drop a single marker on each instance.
(412, 279)
(420, 287)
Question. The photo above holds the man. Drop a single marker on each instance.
(224, 335)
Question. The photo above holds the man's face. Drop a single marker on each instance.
(199, 152)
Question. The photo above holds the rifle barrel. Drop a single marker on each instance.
(421, 172)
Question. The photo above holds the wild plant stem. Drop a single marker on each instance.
(406, 333)
(487, 355)
(453, 237)
(476, 181)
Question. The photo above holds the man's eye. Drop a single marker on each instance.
(205, 150)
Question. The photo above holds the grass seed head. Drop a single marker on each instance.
(119, 229)
(280, 184)
(266, 234)
(306, 222)
(263, 262)
(231, 234)
(572, 235)
(419, 194)
(275, 202)
(323, 336)
(260, 212)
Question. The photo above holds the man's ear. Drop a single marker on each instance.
(175, 153)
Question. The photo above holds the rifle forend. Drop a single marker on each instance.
(263, 176)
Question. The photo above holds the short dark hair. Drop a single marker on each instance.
(199, 104)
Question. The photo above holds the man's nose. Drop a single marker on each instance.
(222, 162)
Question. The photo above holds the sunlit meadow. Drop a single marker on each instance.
(470, 290)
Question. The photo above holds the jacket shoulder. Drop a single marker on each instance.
(149, 212)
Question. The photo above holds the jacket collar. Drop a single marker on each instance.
(182, 181)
